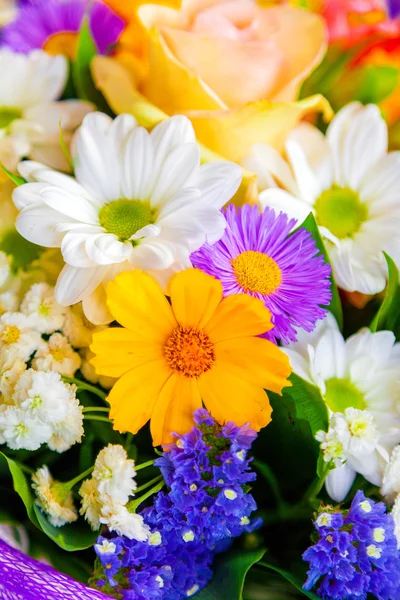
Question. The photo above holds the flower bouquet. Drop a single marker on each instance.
(199, 300)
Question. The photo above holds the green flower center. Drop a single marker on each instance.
(124, 217)
(341, 211)
(8, 114)
(341, 394)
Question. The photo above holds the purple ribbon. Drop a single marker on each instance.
(24, 578)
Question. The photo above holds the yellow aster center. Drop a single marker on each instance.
(189, 351)
(124, 217)
(341, 211)
(256, 272)
(65, 42)
(341, 394)
(10, 335)
(8, 114)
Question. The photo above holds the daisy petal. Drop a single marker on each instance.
(73, 283)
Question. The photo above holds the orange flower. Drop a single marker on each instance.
(171, 358)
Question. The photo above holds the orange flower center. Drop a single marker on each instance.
(189, 351)
(256, 272)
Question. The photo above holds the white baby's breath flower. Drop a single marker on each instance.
(5, 268)
(118, 518)
(18, 336)
(391, 477)
(20, 430)
(143, 200)
(53, 498)
(39, 304)
(333, 446)
(91, 504)
(43, 394)
(89, 372)
(69, 431)
(78, 329)
(57, 355)
(115, 473)
(9, 302)
(11, 369)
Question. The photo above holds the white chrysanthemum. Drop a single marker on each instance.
(391, 477)
(39, 304)
(43, 394)
(91, 505)
(30, 117)
(360, 373)
(18, 336)
(89, 372)
(350, 182)
(69, 431)
(57, 355)
(139, 200)
(78, 329)
(118, 518)
(114, 473)
(9, 302)
(11, 369)
(52, 498)
(5, 268)
(20, 430)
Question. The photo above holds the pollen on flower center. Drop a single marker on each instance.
(342, 393)
(189, 351)
(10, 335)
(341, 211)
(256, 272)
(124, 217)
(8, 114)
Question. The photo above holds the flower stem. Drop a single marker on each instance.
(82, 385)
(25, 468)
(97, 418)
(134, 504)
(144, 465)
(96, 409)
(148, 484)
(77, 479)
(310, 497)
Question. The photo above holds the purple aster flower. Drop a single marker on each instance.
(259, 256)
(356, 553)
(53, 25)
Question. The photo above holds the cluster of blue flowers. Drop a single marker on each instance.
(207, 504)
(356, 553)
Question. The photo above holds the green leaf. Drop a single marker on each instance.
(15, 178)
(22, 251)
(21, 486)
(309, 403)
(388, 314)
(291, 578)
(69, 537)
(81, 75)
(335, 306)
(230, 572)
(367, 84)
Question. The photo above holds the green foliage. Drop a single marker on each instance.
(289, 577)
(367, 84)
(14, 178)
(335, 306)
(230, 570)
(22, 251)
(388, 315)
(81, 75)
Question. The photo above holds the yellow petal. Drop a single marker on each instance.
(194, 297)
(232, 133)
(173, 411)
(133, 397)
(258, 360)
(118, 350)
(137, 302)
(229, 397)
(239, 316)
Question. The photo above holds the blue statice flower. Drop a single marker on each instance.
(356, 553)
(208, 503)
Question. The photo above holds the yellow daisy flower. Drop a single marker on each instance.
(172, 357)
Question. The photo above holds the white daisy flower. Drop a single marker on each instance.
(40, 304)
(5, 268)
(78, 329)
(350, 183)
(52, 498)
(30, 117)
(139, 200)
(89, 372)
(118, 518)
(22, 431)
(11, 369)
(9, 302)
(44, 394)
(91, 505)
(18, 335)
(359, 379)
(69, 431)
(57, 355)
(115, 473)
